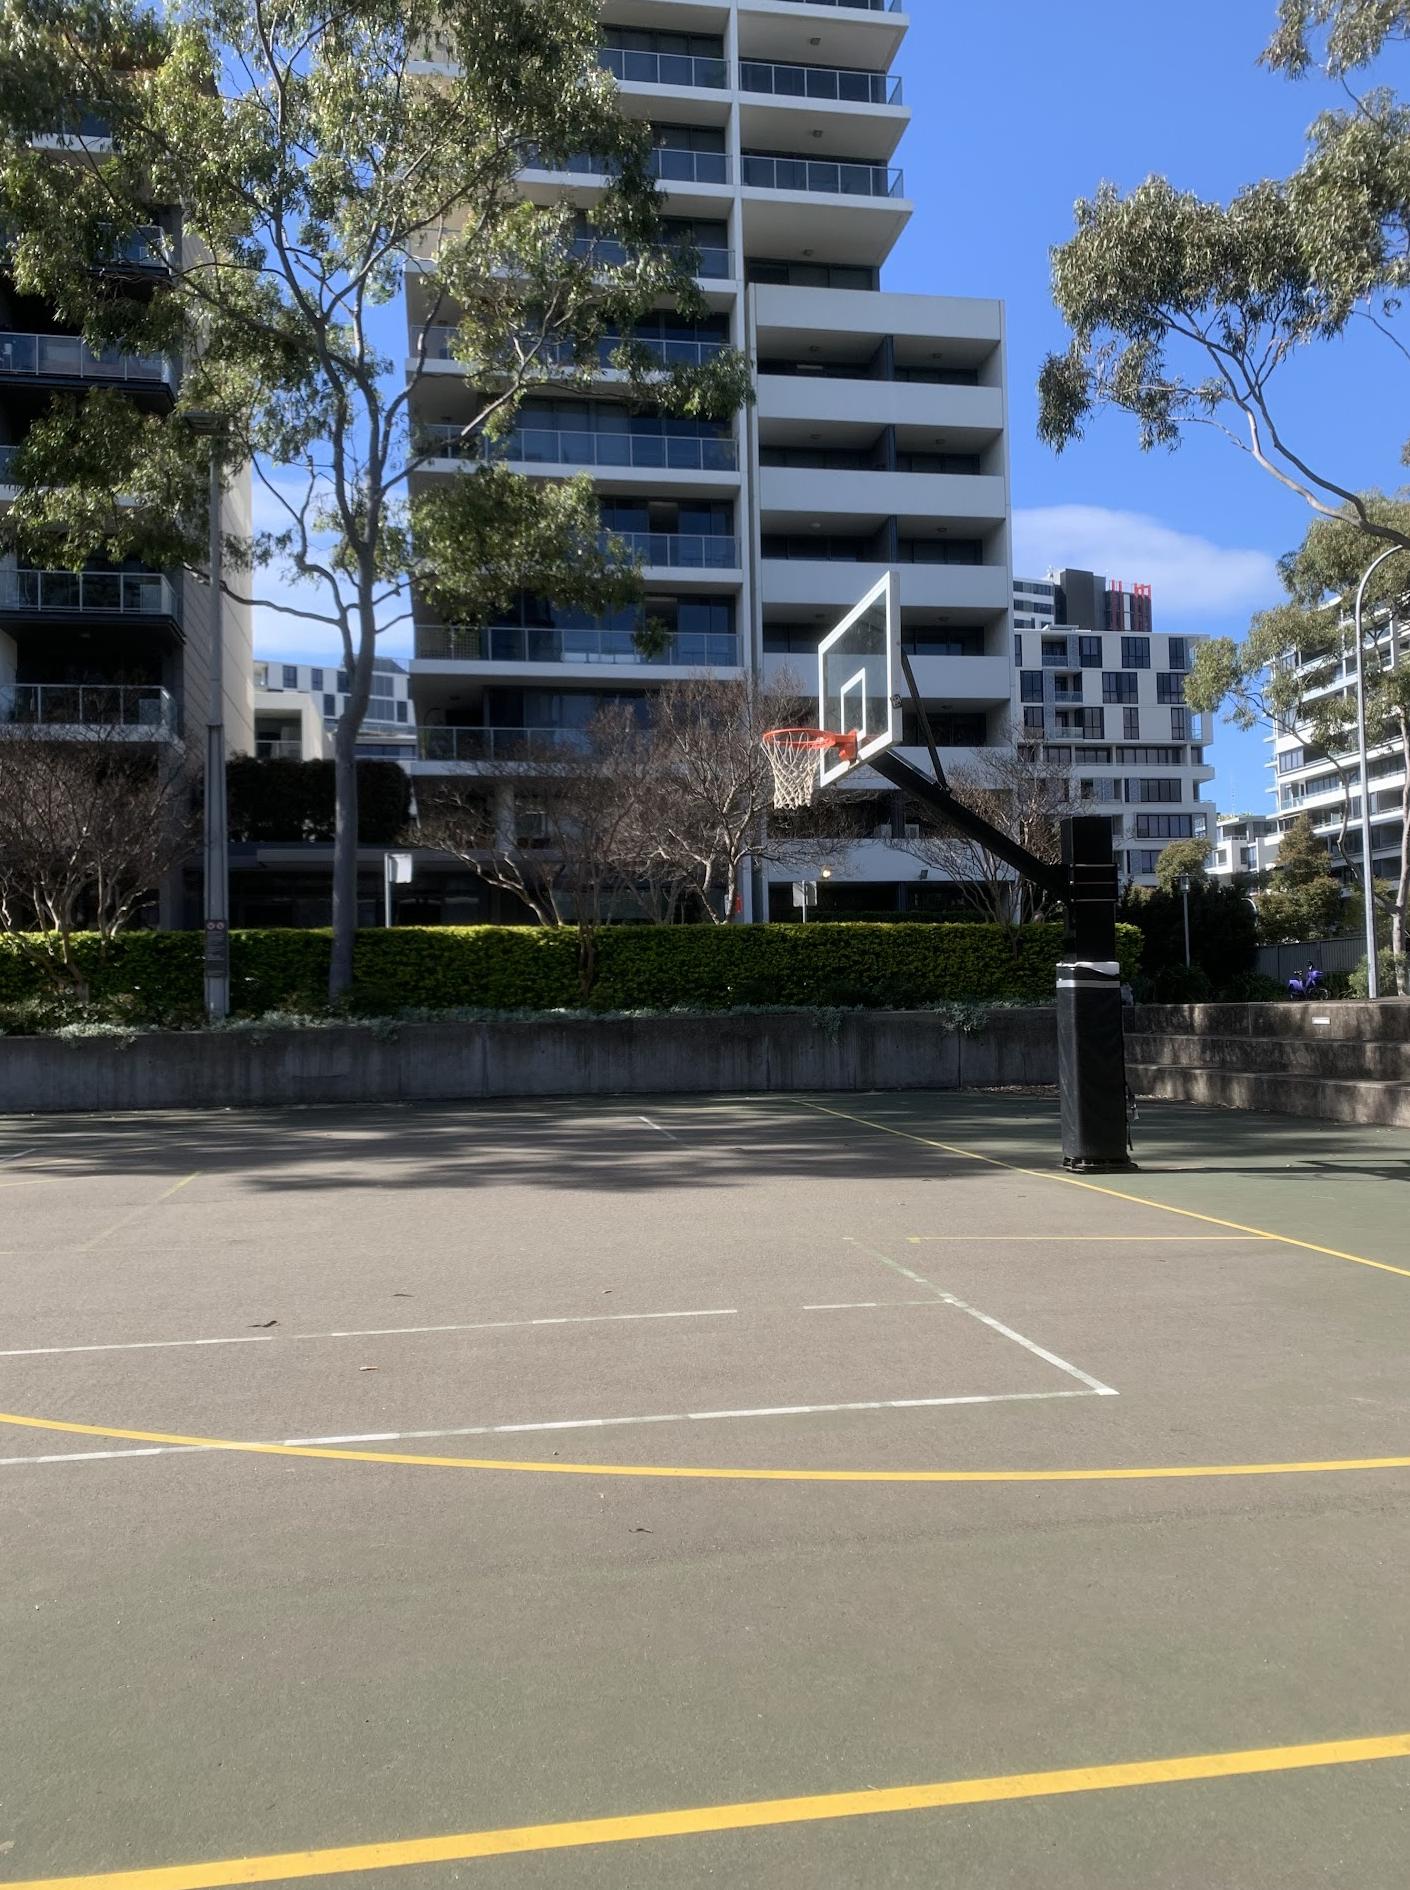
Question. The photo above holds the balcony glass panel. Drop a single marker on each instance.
(87, 705)
(833, 178)
(710, 262)
(133, 593)
(825, 82)
(683, 550)
(69, 356)
(669, 349)
(547, 447)
(665, 68)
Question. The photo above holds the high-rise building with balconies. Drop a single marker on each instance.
(1103, 697)
(877, 437)
(121, 648)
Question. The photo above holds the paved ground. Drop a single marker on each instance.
(362, 1652)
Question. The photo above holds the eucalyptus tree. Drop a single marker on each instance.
(279, 170)
(1184, 312)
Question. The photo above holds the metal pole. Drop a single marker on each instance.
(1185, 901)
(387, 889)
(217, 831)
(1368, 877)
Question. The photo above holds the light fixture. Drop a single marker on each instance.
(816, 40)
(817, 134)
(806, 252)
(826, 873)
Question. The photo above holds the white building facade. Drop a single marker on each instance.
(1245, 845)
(1104, 694)
(388, 729)
(877, 439)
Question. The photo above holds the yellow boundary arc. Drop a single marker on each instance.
(703, 1820)
(713, 1473)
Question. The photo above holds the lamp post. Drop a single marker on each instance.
(216, 825)
(1185, 905)
(1368, 877)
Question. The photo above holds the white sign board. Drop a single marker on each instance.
(805, 892)
(399, 869)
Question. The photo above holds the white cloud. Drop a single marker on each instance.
(1189, 576)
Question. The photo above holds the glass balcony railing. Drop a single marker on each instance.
(651, 68)
(683, 551)
(543, 446)
(499, 744)
(822, 82)
(668, 349)
(88, 705)
(508, 643)
(131, 593)
(709, 262)
(665, 162)
(278, 748)
(7, 460)
(69, 357)
(861, 6)
(143, 248)
(836, 177)
(86, 132)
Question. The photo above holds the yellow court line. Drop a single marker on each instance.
(1093, 1187)
(698, 1820)
(133, 1214)
(728, 1473)
(1085, 1240)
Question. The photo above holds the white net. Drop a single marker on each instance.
(793, 755)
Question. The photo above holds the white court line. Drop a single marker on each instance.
(138, 1345)
(569, 1424)
(856, 1305)
(994, 1325)
(659, 1130)
(18, 1155)
(376, 1332)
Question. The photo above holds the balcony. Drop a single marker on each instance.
(87, 134)
(500, 744)
(861, 6)
(439, 337)
(122, 710)
(73, 593)
(278, 748)
(841, 85)
(666, 162)
(650, 68)
(831, 177)
(69, 357)
(710, 263)
(541, 446)
(681, 551)
(507, 643)
(143, 248)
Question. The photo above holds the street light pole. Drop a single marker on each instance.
(1373, 971)
(216, 825)
(1185, 903)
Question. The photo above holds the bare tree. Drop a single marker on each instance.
(90, 824)
(1026, 797)
(717, 788)
(569, 838)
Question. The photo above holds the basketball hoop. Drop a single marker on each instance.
(794, 754)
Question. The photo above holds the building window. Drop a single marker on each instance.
(1179, 653)
(315, 679)
(1033, 718)
(1154, 788)
(342, 682)
(1131, 725)
(1179, 725)
(1169, 688)
(1135, 653)
(330, 705)
(401, 711)
(1118, 686)
(291, 676)
(1018, 652)
(1141, 861)
(1030, 685)
(1089, 652)
(1164, 826)
(1055, 653)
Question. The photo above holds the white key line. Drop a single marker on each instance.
(139, 1345)
(567, 1424)
(18, 1155)
(867, 1305)
(377, 1332)
(994, 1325)
(659, 1130)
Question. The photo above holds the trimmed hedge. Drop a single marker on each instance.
(155, 977)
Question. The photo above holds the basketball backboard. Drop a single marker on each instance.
(857, 679)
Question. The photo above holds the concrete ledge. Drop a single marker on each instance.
(1386, 1105)
(568, 1056)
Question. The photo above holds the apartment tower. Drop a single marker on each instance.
(877, 437)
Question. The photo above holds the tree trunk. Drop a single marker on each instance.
(1402, 890)
(340, 967)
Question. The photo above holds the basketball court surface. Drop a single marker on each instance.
(767, 1492)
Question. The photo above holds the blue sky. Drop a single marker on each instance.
(1020, 107)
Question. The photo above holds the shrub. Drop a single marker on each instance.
(1181, 984)
(1251, 987)
(155, 977)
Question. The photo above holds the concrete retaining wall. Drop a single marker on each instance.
(569, 1056)
(1343, 1062)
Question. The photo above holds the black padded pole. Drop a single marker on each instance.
(1091, 1033)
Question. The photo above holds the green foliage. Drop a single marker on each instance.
(1223, 931)
(1394, 975)
(155, 977)
(1252, 987)
(1180, 859)
(1184, 312)
(1181, 984)
(1288, 915)
(294, 800)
